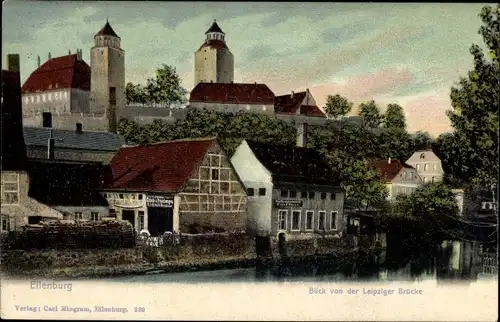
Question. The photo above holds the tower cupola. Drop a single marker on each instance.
(215, 33)
(107, 37)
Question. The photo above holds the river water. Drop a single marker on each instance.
(380, 267)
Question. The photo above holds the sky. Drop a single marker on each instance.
(405, 53)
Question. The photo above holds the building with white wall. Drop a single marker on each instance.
(428, 165)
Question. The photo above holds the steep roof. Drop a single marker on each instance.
(214, 28)
(67, 184)
(13, 154)
(214, 43)
(69, 139)
(290, 104)
(60, 72)
(232, 93)
(107, 31)
(389, 171)
(294, 164)
(165, 166)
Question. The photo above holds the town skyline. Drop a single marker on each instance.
(385, 52)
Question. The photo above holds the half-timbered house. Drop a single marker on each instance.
(184, 185)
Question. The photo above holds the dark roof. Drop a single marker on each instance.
(214, 28)
(66, 184)
(107, 31)
(214, 43)
(232, 93)
(69, 139)
(294, 164)
(13, 154)
(60, 72)
(289, 104)
(164, 166)
(389, 171)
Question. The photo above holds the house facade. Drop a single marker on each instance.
(17, 208)
(184, 185)
(399, 178)
(428, 165)
(291, 191)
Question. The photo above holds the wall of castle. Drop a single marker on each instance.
(267, 109)
(80, 101)
(40, 152)
(225, 66)
(89, 121)
(55, 101)
(205, 64)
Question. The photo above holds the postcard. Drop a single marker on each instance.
(249, 161)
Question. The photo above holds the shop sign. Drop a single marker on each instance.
(287, 203)
(159, 201)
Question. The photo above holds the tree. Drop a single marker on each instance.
(165, 89)
(135, 93)
(422, 141)
(475, 101)
(395, 117)
(371, 114)
(337, 105)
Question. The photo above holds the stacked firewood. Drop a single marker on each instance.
(76, 235)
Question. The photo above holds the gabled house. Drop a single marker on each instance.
(399, 177)
(17, 208)
(233, 97)
(301, 103)
(183, 185)
(428, 165)
(291, 191)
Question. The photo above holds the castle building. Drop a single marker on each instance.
(74, 92)
(213, 61)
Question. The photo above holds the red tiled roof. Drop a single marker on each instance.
(388, 171)
(107, 31)
(232, 93)
(286, 104)
(214, 43)
(60, 72)
(165, 166)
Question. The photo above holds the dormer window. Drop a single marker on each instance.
(422, 156)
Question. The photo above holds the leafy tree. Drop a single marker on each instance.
(135, 94)
(422, 141)
(337, 105)
(394, 143)
(165, 89)
(475, 100)
(371, 114)
(395, 117)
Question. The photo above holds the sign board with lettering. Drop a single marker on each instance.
(287, 203)
(159, 201)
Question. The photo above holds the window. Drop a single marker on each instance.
(296, 220)
(293, 194)
(333, 222)
(311, 194)
(425, 167)
(94, 216)
(434, 167)
(303, 194)
(26, 100)
(215, 174)
(112, 213)
(284, 193)
(250, 191)
(282, 219)
(411, 175)
(50, 96)
(323, 195)
(43, 97)
(105, 195)
(139, 196)
(120, 196)
(432, 179)
(78, 215)
(333, 195)
(321, 220)
(141, 220)
(309, 219)
(264, 108)
(422, 156)
(418, 167)
(5, 223)
(10, 188)
(425, 179)
(262, 191)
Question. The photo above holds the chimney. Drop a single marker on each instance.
(47, 119)
(389, 161)
(13, 62)
(79, 128)
(292, 94)
(38, 60)
(79, 54)
(302, 134)
(50, 146)
(50, 56)
(69, 51)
